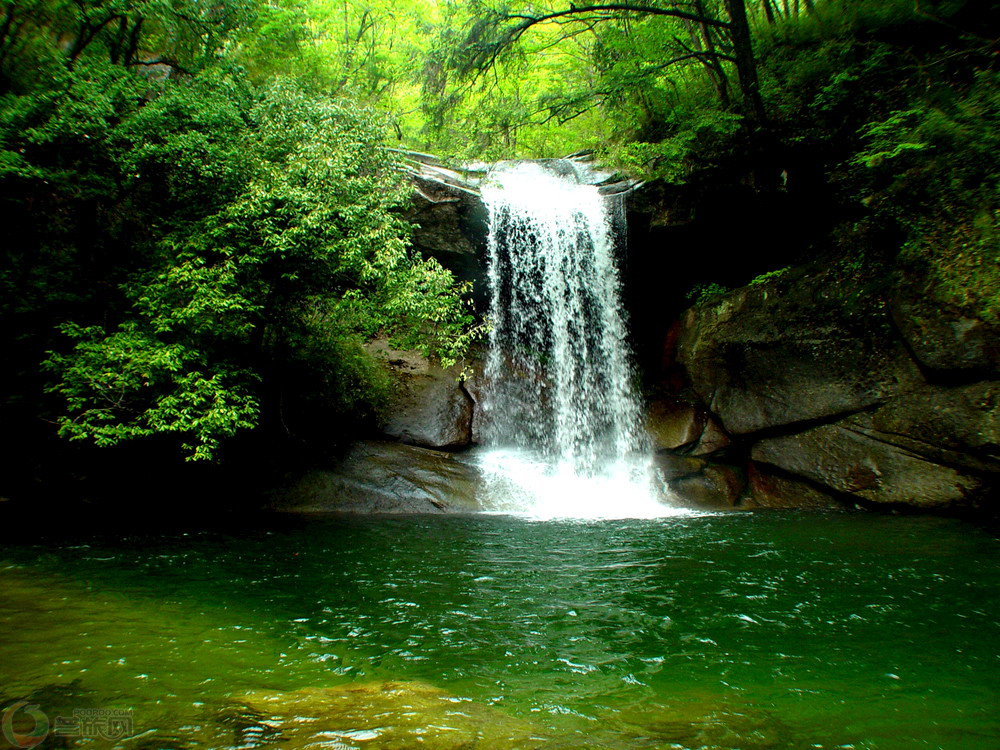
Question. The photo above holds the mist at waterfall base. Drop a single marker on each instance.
(561, 422)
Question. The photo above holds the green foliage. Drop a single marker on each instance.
(305, 230)
(889, 139)
(205, 244)
(967, 267)
(960, 263)
(933, 171)
(768, 276)
(693, 135)
(706, 294)
(208, 222)
(131, 384)
(957, 127)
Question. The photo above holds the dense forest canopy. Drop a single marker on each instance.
(204, 222)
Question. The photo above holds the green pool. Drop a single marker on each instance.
(762, 630)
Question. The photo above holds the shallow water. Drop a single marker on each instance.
(716, 631)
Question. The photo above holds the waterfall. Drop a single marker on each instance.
(560, 418)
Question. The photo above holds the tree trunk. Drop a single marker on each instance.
(769, 12)
(746, 64)
(133, 42)
(118, 43)
(716, 73)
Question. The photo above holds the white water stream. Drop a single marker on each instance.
(561, 421)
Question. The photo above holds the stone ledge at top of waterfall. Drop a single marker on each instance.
(469, 176)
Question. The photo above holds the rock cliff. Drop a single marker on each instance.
(873, 396)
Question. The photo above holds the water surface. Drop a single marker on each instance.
(717, 631)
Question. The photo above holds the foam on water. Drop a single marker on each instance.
(526, 483)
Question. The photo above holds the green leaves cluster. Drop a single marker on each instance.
(933, 169)
(202, 253)
(691, 135)
(133, 384)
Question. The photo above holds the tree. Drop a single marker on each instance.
(299, 258)
(727, 37)
(177, 35)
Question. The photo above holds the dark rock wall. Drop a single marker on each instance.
(429, 405)
(450, 224)
(726, 232)
(813, 380)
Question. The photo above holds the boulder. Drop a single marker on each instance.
(673, 424)
(791, 349)
(943, 338)
(712, 439)
(475, 386)
(428, 405)
(851, 458)
(669, 467)
(768, 489)
(383, 477)
(712, 487)
(958, 425)
(449, 225)
(933, 447)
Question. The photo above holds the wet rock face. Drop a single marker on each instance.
(935, 447)
(842, 457)
(695, 482)
(775, 354)
(449, 225)
(943, 340)
(429, 405)
(674, 424)
(678, 427)
(382, 477)
(827, 394)
(768, 489)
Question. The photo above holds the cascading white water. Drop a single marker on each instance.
(560, 417)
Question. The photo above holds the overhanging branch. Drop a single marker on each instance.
(529, 21)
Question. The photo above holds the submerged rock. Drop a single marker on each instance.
(382, 477)
(380, 714)
(703, 721)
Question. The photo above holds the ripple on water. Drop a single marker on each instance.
(625, 634)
